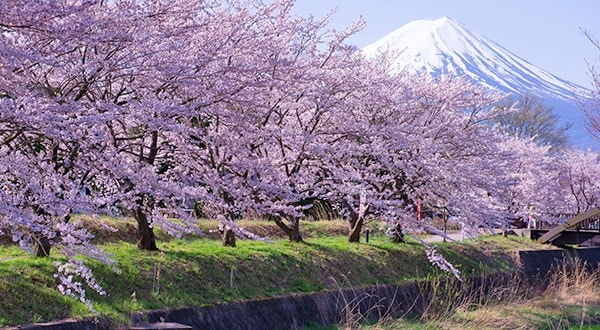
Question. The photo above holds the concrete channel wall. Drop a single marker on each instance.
(342, 306)
(542, 261)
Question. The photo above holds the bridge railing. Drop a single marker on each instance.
(589, 220)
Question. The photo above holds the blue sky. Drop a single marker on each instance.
(544, 32)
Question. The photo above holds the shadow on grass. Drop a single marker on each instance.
(28, 292)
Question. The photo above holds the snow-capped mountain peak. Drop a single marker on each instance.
(444, 45)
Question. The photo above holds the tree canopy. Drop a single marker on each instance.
(531, 118)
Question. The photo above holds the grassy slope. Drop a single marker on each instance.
(200, 271)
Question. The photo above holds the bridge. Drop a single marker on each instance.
(582, 230)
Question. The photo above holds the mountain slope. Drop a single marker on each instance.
(446, 46)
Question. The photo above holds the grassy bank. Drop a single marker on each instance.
(199, 271)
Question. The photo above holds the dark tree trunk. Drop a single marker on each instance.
(146, 233)
(398, 235)
(42, 247)
(292, 232)
(227, 236)
(356, 221)
(43, 244)
(295, 237)
(356, 225)
(445, 217)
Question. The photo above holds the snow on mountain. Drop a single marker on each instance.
(445, 46)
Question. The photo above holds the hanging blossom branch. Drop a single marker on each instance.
(437, 259)
(72, 275)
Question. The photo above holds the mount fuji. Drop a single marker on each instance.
(445, 46)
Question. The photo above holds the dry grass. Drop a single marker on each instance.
(569, 299)
(575, 283)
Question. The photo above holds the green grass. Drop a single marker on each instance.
(195, 272)
(28, 294)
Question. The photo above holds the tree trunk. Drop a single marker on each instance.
(398, 235)
(146, 233)
(355, 229)
(227, 236)
(295, 237)
(356, 221)
(42, 242)
(293, 233)
(42, 247)
(445, 226)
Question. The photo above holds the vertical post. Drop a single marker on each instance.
(445, 218)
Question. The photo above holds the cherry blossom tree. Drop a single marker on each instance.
(264, 143)
(110, 68)
(47, 142)
(535, 192)
(366, 176)
(454, 158)
(409, 137)
(579, 171)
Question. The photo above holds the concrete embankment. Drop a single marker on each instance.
(325, 308)
(542, 261)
